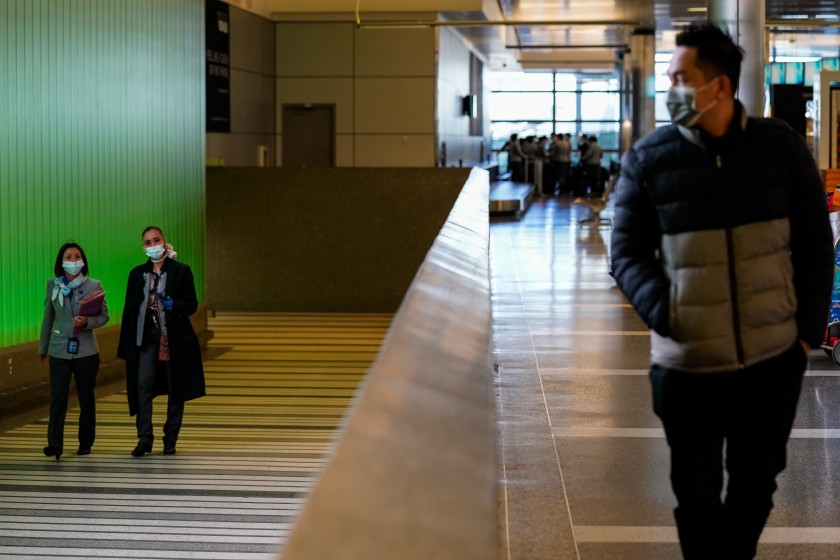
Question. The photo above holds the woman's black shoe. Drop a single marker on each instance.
(85, 451)
(51, 451)
(142, 449)
(168, 447)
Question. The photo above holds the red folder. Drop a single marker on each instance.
(91, 304)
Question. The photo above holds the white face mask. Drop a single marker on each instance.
(681, 103)
(72, 267)
(155, 252)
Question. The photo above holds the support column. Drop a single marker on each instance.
(639, 81)
(744, 19)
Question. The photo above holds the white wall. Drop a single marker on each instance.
(454, 83)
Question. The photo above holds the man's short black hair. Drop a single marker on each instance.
(717, 53)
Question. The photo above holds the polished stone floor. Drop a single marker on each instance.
(584, 463)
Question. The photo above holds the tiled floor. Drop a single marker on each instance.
(249, 452)
(585, 461)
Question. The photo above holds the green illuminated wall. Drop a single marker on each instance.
(101, 134)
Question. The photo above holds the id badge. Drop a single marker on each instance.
(73, 345)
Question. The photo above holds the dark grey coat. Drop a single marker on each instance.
(184, 349)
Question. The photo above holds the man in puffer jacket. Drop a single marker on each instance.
(721, 242)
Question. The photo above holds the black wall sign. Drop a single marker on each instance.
(217, 39)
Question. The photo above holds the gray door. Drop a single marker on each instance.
(308, 135)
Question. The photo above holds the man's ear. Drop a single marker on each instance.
(725, 86)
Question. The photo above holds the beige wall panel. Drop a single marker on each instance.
(338, 91)
(252, 44)
(252, 103)
(395, 105)
(344, 150)
(395, 52)
(391, 150)
(278, 149)
(240, 150)
(315, 49)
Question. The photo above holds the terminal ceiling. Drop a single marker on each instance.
(577, 34)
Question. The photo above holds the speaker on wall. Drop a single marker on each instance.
(469, 106)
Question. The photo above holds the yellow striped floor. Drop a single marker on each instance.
(249, 452)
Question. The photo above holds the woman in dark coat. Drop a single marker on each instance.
(157, 341)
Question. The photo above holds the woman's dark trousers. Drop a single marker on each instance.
(61, 370)
(147, 366)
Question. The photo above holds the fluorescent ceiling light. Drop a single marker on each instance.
(796, 59)
(794, 16)
(698, 9)
(827, 16)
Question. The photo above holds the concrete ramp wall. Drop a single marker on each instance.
(344, 239)
(414, 474)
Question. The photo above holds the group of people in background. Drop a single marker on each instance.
(157, 342)
(554, 156)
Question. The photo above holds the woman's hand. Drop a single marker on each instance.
(80, 322)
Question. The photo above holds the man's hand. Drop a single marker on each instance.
(805, 346)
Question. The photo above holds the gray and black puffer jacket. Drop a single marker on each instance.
(725, 253)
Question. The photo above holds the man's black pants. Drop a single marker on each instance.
(752, 411)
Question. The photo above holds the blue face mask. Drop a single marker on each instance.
(73, 267)
(155, 252)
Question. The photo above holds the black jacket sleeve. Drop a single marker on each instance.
(635, 243)
(811, 247)
(184, 298)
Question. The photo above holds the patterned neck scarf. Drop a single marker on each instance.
(61, 289)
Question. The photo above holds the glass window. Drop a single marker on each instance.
(565, 82)
(599, 84)
(541, 103)
(608, 134)
(501, 131)
(596, 106)
(543, 129)
(663, 82)
(521, 81)
(520, 106)
(661, 110)
(566, 106)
